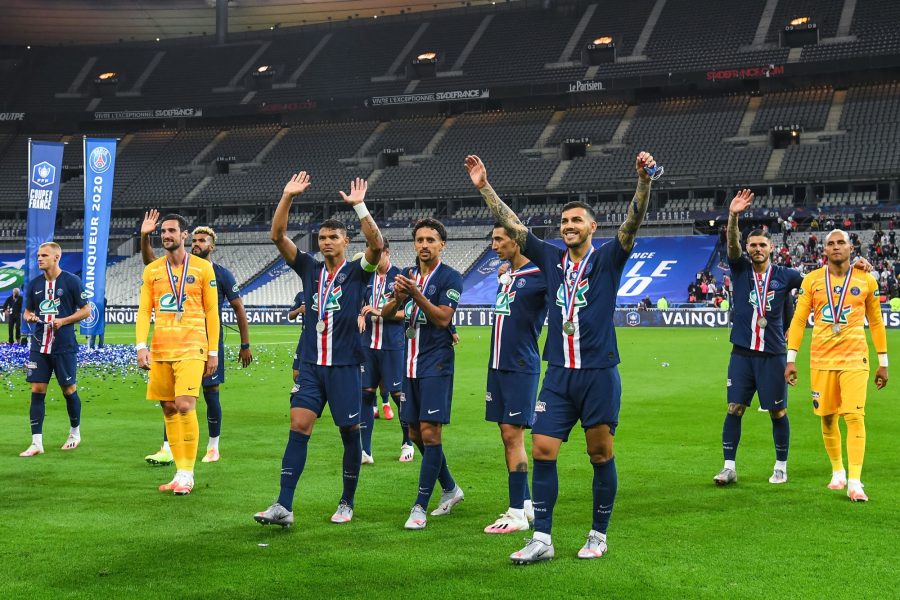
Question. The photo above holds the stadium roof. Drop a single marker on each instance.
(53, 22)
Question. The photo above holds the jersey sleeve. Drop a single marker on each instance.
(142, 325)
(298, 301)
(303, 263)
(801, 314)
(451, 292)
(613, 253)
(211, 307)
(541, 253)
(29, 297)
(79, 297)
(741, 264)
(873, 313)
(228, 285)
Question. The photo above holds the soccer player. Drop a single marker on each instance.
(383, 350)
(331, 349)
(425, 298)
(840, 298)
(181, 290)
(54, 302)
(762, 292)
(203, 243)
(514, 369)
(582, 381)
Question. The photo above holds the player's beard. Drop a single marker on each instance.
(580, 239)
(200, 253)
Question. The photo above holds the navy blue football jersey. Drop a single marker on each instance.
(519, 313)
(745, 329)
(51, 300)
(430, 352)
(344, 292)
(381, 334)
(592, 345)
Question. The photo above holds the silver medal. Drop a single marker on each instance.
(320, 326)
(505, 279)
(569, 328)
(836, 329)
(762, 322)
(411, 333)
(178, 316)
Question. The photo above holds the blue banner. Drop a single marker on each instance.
(657, 266)
(44, 173)
(99, 168)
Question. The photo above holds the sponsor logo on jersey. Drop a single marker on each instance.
(50, 306)
(452, 294)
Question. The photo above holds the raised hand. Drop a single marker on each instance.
(151, 220)
(741, 201)
(297, 185)
(477, 171)
(644, 159)
(357, 194)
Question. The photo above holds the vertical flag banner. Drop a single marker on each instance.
(44, 173)
(99, 167)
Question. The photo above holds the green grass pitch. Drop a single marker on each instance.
(91, 524)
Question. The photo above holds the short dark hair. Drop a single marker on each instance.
(579, 204)
(498, 224)
(333, 224)
(182, 222)
(758, 233)
(433, 224)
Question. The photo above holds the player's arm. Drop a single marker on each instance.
(798, 329)
(393, 308)
(213, 327)
(879, 333)
(374, 242)
(142, 326)
(286, 246)
(79, 315)
(739, 204)
(501, 212)
(637, 210)
(296, 312)
(245, 356)
(151, 218)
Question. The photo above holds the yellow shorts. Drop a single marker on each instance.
(838, 392)
(169, 380)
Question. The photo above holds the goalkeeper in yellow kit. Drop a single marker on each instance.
(181, 290)
(840, 298)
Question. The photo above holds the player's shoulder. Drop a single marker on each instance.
(37, 282)
(202, 263)
(221, 271)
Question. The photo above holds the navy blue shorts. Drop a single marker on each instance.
(763, 375)
(40, 366)
(338, 387)
(219, 376)
(296, 365)
(383, 366)
(510, 397)
(426, 399)
(592, 396)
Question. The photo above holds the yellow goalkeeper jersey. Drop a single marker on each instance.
(191, 336)
(846, 350)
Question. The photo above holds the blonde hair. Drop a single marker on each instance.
(205, 230)
(52, 245)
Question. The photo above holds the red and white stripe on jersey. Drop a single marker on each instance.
(572, 343)
(500, 319)
(378, 284)
(324, 341)
(412, 345)
(757, 334)
(48, 331)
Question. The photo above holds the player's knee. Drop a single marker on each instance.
(69, 389)
(602, 457)
(211, 389)
(185, 405)
(778, 414)
(736, 409)
(39, 388)
(512, 436)
(169, 409)
(349, 428)
(369, 390)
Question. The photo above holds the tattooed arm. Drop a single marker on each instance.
(638, 207)
(739, 204)
(504, 214)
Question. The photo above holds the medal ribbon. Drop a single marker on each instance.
(178, 293)
(761, 283)
(837, 308)
(326, 288)
(569, 293)
(422, 284)
(378, 290)
(515, 274)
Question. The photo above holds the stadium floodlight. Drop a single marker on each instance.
(799, 32)
(600, 51)
(799, 21)
(423, 65)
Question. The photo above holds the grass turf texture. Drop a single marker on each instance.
(90, 523)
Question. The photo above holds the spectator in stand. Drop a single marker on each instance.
(704, 289)
(646, 303)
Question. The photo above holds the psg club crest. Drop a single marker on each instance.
(100, 159)
(633, 319)
(43, 174)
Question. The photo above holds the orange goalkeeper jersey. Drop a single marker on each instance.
(848, 349)
(198, 329)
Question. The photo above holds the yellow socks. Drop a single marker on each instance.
(856, 444)
(173, 433)
(831, 434)
(190, 436)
